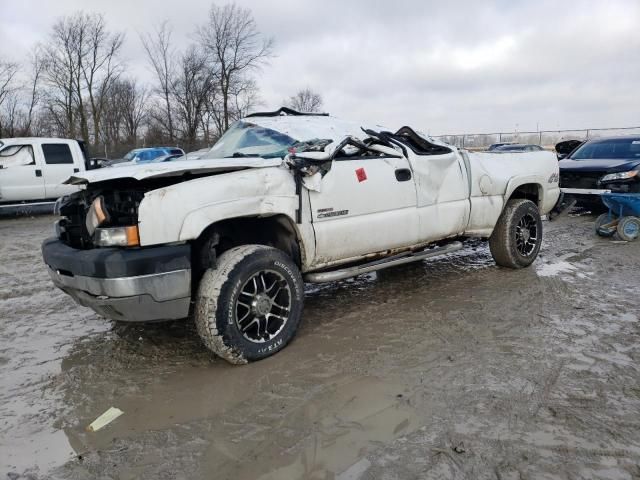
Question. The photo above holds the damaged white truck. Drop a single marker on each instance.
(285, 198)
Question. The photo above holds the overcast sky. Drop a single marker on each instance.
(442, 67)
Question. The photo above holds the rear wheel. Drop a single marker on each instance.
(628, 228)
(517, 237)
(250, 305)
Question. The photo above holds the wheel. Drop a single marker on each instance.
(516, 239)
(604, 219)
(250, 305)
(628, 228)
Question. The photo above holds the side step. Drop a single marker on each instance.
(333, 275)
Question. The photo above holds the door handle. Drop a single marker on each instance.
(76, 170)
(38, 173)
(403, 174)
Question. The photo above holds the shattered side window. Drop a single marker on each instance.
(17, 155)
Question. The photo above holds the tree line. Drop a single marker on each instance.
(76, 84)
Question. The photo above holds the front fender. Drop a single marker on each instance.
(198, 220)
(180, 212)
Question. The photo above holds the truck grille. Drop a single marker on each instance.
(580, 180)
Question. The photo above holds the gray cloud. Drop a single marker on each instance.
(444, 67)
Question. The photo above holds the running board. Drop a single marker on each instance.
(27, 208)
(332, 276)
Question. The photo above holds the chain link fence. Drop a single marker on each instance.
(544, 138)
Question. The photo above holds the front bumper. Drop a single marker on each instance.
(137, 285)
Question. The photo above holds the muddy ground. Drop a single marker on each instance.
(451, 368)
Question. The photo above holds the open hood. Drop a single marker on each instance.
(566, 147)
(170, 169)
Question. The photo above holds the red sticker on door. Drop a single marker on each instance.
(361, 174)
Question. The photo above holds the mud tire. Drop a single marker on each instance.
(215, 311)
(503, 240)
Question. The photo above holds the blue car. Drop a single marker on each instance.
(144, 155)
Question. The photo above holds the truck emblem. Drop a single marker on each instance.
(330, 212)
(361, 174)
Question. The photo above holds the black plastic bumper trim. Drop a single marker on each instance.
(115, 262)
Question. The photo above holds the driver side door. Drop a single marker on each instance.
(366, 205)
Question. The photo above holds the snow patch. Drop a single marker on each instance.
(553, 269)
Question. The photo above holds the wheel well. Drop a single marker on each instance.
(529, 191)
(276, 231)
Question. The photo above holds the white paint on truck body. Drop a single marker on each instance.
(182, 211)
(366, 206)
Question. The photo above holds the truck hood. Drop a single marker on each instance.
(171, 169)
(598, 165)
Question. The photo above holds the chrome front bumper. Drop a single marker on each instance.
(143, 298)
(132, 285)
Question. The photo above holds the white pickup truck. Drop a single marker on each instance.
(33, 170)
(285, 198)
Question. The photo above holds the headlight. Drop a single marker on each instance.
(619, 176)
(117, 237)
(96, 215)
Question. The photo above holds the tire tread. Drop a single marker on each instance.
(500, 242)
(208, 293)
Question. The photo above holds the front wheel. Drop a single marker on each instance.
(249, 306)
(517, 237)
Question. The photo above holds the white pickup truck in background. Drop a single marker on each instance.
(285, 198)
(33, 170)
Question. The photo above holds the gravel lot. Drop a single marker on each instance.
(452, 368)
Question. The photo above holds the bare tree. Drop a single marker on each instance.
(35, 93)
(191, 90)
(82, 63)
(125, 111)
(134, 108)
(243, 97)
(61, 73)
(99, 65)
(305, 100)
(8, 72)
(235, 48)
(162, 60)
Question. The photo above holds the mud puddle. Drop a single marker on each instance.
(451, 368)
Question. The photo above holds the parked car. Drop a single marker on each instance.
(518, 147)
(144, 155)
(34, 169)
(285, 198)
(496, 145)
(600, 165)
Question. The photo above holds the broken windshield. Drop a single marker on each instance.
(244, 139)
